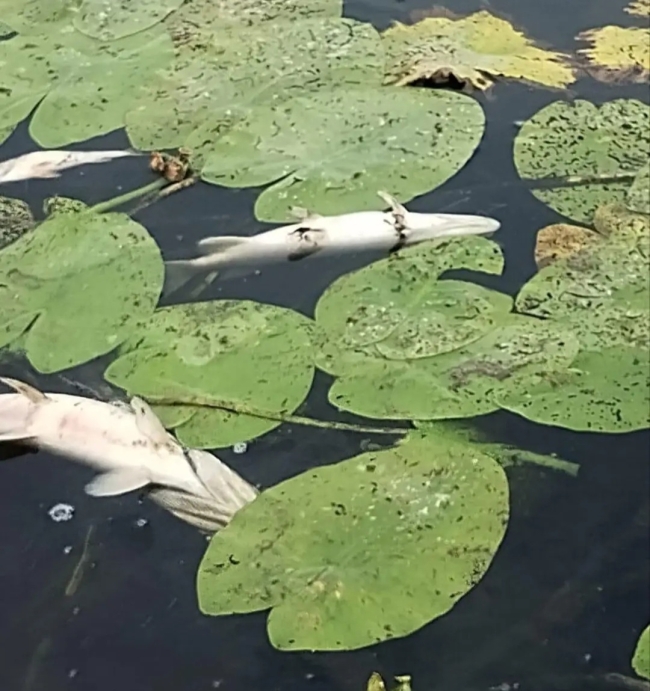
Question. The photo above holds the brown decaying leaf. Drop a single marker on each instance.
(561, 240)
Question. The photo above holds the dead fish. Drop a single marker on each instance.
(49, 164)
(315, 234)
(127, 443)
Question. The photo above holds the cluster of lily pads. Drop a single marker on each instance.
(279, 93)
(319, 108)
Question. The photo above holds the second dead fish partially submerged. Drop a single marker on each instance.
(130, 447)
(314, 234)
(49, 164)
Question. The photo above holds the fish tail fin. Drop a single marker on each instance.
(178, 274)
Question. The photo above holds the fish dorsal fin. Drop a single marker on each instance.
(117, 482)
(33, 394)
(220, 244)
(148, 423)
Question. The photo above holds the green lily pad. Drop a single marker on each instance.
(603, 391)
(81, 284)
(641, 659)
(461, 383)
(638, 196)
(396, 309)
(603, 148)
(109, 20)
(330, 152)
(15, 220)
(356, 553)
(600, 291)
(245, 353)
(84, 86)
(476, 49)
(217, 78)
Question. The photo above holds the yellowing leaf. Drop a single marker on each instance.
(621, 53)
(476, 50)
(561, 240)
(640, 8)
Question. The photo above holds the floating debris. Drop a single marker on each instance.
(61, 512)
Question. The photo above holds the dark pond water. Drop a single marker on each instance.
(565, 598)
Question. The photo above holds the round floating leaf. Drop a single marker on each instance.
(559, 241)
(108, 20)
(461, 383)
(15, 220)
(474, 49)
(641, 659)
(332, 151)
(603, 148)
(85, 86)
(604, 391)
(216, 79)
(620, 53)
(81, 283)
(245, 353)
(601, 291)
(395, 308)
(362, 551)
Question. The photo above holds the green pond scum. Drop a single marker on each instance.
(322, 111)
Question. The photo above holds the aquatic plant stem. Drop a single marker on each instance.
(202, 401)
(109, 204)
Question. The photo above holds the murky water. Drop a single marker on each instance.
(106, 601)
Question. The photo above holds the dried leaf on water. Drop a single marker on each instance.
(639, 8)
(617, 53)
(561, 240)
(477, 50)
(368, 549)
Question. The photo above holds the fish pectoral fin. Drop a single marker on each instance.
(220, 244)
(33, 394)
(117, 482)
(148, 423)
(17, 436)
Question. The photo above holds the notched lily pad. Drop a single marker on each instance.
(217, 78)
(332, 151)
(240, 352)
(616, 53)
(395, 309)
(369, 549)
(79, 284)
(15, 220)
(81, 87)
(582, 156)
(476, 50)
(602, 391)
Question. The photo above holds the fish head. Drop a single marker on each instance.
(420, 227)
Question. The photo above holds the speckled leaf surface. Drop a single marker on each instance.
(395, 309)
(53, 283)
(332, 151)
(590, 142)
(461, 383)
(477, 49)
(603, 391)
(602, 291)
(623, 53)
(108, 20)
(15, 220)
(247, 353)
(641, 658)
(369, 549)
(638, 196)
(218, 77)
(84, 86)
